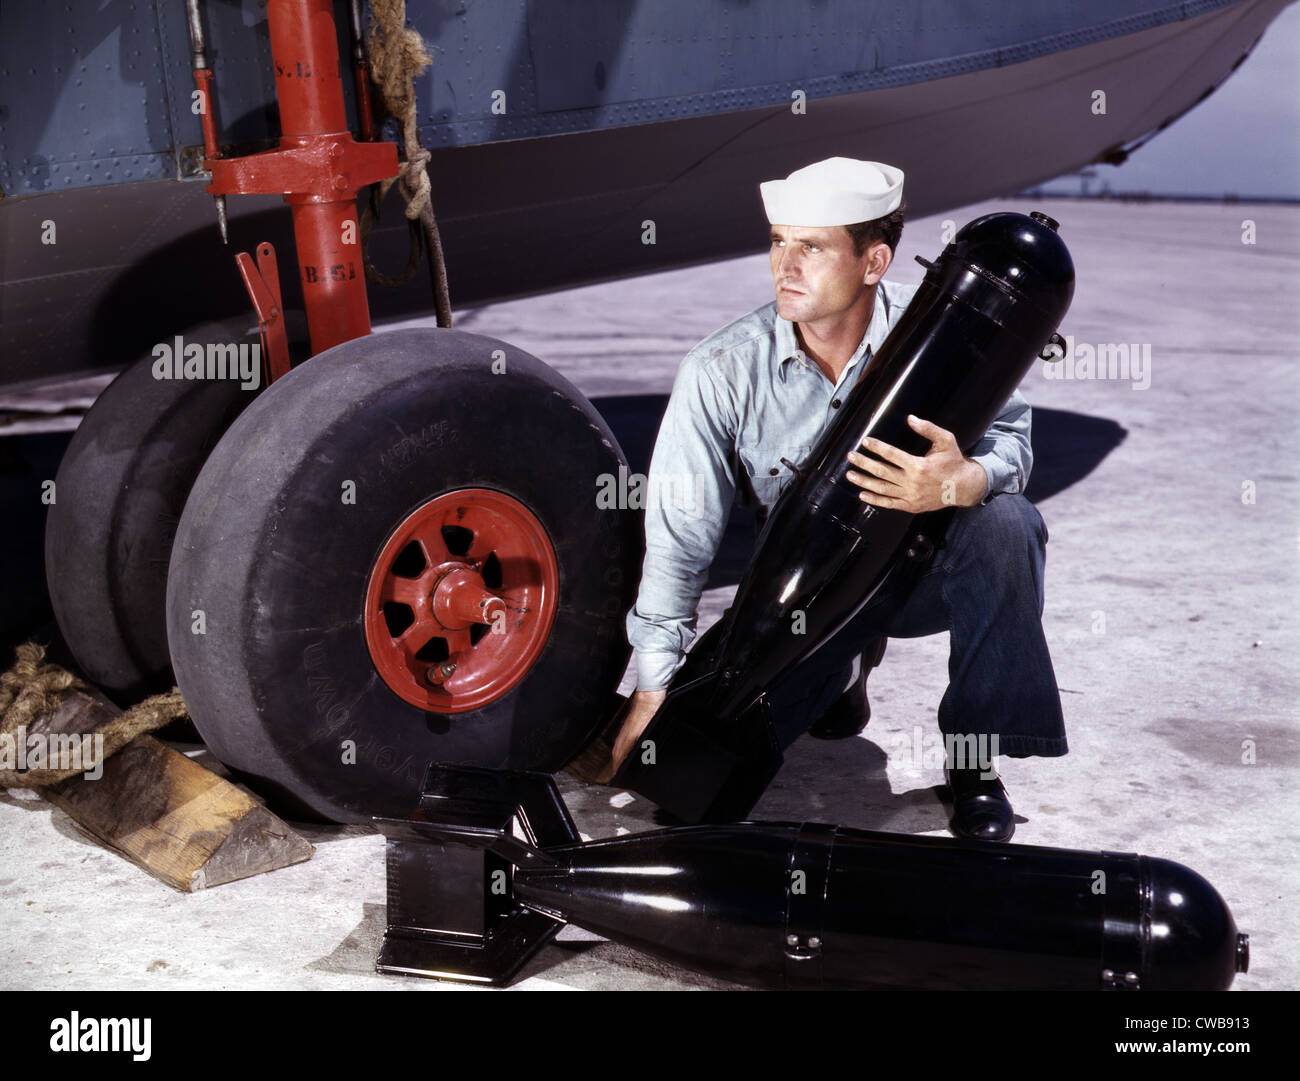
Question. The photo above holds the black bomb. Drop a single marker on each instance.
(784, 904)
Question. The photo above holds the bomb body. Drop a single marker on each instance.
(790, 905)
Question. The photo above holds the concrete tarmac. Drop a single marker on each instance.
(1169, 487)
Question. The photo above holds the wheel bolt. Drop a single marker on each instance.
(442, 671)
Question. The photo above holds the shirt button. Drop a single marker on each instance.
(835, 404)
(774, 471)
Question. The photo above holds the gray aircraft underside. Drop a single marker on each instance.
(616, 113)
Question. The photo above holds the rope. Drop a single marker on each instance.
(397, 56)
(32, 689)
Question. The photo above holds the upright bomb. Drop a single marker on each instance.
(780, 904)
(988, 307)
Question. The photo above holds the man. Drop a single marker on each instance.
(748, 404)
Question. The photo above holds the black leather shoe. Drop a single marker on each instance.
(850, 712)
(980, 808)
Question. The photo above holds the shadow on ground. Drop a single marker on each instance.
(26, 462)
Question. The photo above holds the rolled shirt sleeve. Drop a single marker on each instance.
(687, 500)
(1004, 450)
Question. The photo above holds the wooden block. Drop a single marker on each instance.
(180, 822)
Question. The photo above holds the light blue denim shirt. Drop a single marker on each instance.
(747, 398)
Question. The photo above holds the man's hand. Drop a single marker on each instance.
(644, 706)
(942, 478)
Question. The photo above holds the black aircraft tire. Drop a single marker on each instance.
(270, 570)
(119, 493)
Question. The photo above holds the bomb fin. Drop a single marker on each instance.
(695, 768)
(451, 908)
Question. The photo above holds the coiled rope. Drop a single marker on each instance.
(32, 689)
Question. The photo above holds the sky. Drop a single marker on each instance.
(1243, 140)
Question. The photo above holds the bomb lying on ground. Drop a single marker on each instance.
(783, 904)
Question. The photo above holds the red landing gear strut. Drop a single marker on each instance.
(317, 167)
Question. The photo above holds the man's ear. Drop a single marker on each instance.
(878, 259)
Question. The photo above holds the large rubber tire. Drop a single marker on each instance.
(119, 493)
(281, 684)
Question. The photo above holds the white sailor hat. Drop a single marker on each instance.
(837, 191)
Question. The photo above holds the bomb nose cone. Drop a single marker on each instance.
(1043, 219)
(1023, 253)
(1194, 942)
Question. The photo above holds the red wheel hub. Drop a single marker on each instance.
(461, 600)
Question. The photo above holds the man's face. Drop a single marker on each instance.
(816, 273)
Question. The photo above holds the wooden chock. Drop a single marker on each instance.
(167, 814)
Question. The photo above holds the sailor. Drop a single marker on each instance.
(748, 404)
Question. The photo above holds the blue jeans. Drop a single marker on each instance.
(985, 587)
